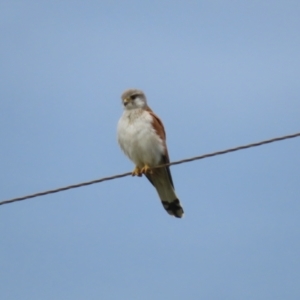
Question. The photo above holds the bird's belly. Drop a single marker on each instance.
(141, 144)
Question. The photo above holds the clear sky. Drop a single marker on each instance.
(219, 74)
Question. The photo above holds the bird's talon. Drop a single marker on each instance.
(136, 172)
(146, 170)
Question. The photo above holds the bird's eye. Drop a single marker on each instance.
(133, 97)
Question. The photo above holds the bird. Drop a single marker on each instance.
(142, 137)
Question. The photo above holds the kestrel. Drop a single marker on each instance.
(142, 137)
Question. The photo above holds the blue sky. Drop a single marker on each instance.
(219, 74)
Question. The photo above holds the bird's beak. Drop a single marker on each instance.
(126, 101)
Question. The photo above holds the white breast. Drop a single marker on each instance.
(138, 138)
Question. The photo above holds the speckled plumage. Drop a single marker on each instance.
(142, 137)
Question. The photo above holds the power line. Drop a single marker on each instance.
(73, 186)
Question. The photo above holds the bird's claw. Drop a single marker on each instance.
(136, 172)
(146, 170)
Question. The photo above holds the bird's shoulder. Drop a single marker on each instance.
(156, 123)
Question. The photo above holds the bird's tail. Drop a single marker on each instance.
(173, 208)
(164, 187)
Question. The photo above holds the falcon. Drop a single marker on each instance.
(142, 137)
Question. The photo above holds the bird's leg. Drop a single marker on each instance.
(136, 172)
(146, 170)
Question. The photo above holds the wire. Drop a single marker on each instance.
(73, 186)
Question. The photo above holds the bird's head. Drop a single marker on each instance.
(133, 99)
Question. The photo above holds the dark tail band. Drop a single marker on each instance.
(173, 208)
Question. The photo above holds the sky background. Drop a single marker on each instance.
(220, 74)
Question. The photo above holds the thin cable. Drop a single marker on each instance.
(73, 186)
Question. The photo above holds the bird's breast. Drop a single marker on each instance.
(139, 140)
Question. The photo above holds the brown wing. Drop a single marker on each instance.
(160, 130)
(161, 178)
(157, 125)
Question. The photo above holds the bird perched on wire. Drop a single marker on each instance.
(142, 137)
